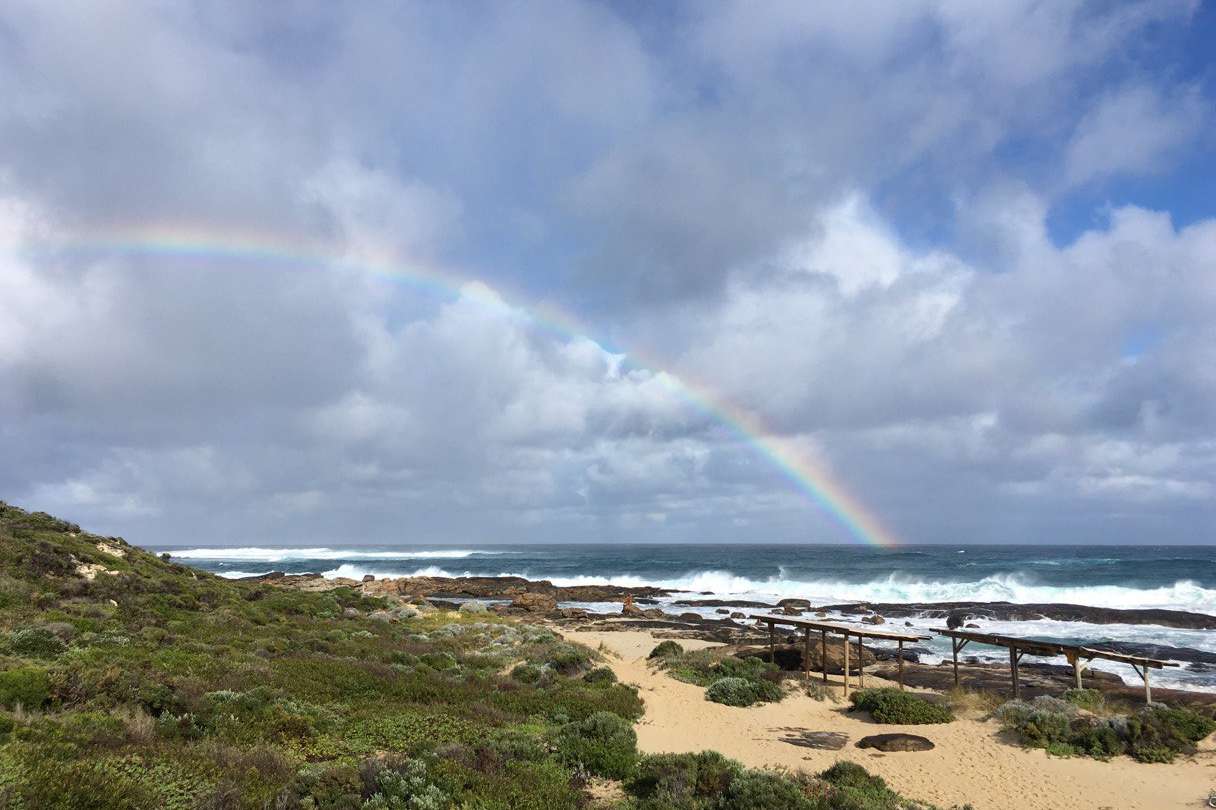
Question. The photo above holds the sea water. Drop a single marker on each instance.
(1126, 577)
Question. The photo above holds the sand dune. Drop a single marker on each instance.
(971, 763)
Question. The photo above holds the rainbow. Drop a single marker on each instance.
(196, 243)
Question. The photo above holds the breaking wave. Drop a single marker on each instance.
(1182, 595)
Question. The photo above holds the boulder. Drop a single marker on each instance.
(654, 613)
(791, 610)
(873, 619)
(738, 615)
(531, 602)
(369, 577)
(972, 626)
(723, 611)
(956, 619)
(803, 604)
(896, 742)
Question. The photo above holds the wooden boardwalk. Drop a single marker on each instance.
(1075, 653)
(845, 630)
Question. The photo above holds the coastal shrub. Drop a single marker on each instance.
(600, 676)
(35, 642)
(25, 686)
(733, 691)
(1089, 699)
(439, 660)
(1153, 734)
(890, 705)
(604, 743)
(766, 790)
(666, 649)
(527, 673)
(710, 781)
(406, 787)
(569, 659)
(664, 781)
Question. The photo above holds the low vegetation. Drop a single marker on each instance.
(1081, 725)
(710, 781)
(889, 705)
(128, 681)
(732, 681)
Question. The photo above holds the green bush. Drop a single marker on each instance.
(569, 659)
(889, 705)
(605, 744)
(766, 790)
(1153, 734)
(710, 781)
(733, 691)
(666, 649)
(1090, 699)
(527, 673)
(27, 686)
(666, 781)
(36, 642)
(600, 676)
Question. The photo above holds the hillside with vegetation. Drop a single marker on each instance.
(129, 681)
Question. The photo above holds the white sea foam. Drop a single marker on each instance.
(273, 555)
(1182, 595)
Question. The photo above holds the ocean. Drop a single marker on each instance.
(1169, 577)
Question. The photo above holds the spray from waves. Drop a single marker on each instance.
(273, 555)
(1182, 595)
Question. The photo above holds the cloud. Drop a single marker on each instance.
(1134, 130)
(841, 228)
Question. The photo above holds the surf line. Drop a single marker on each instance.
(192, 242)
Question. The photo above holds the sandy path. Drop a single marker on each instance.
(969, 764)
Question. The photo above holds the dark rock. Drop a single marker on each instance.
(791, 610)
(738, 615)
(692, 617)
(1008, 611)
(896, 742)
(972, 626)
(873, 619)
(534, 603)
(369, 577)
(723, 611)
(803, 604)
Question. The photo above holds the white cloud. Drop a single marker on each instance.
(1134, 130)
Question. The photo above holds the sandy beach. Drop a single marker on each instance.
(970, 764)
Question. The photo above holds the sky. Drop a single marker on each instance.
(457, 273)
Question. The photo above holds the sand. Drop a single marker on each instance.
(971, 763)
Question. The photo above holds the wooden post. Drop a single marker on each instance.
(823, 654)
(846, 664)
(806, 656)
(1143, 673)
(954, 646)
(1013, 669)
(901, 664)
(861, 665)
(1075, 660)
(772, 643)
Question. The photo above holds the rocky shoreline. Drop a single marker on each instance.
(511, 588)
